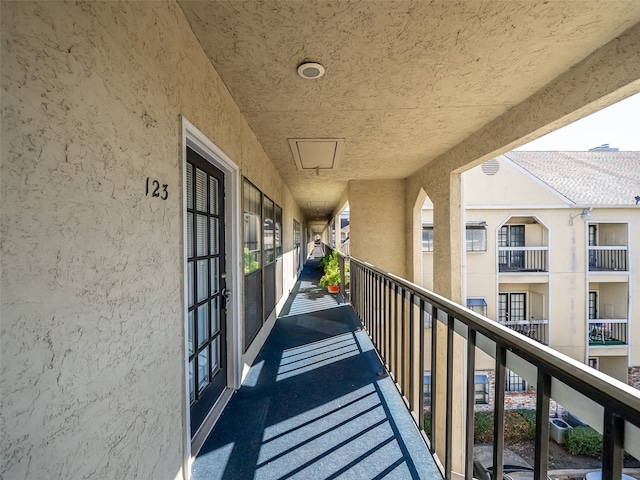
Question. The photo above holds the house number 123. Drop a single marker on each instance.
(155, 189)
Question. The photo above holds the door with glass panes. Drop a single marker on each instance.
(206, 333)
(512, 307)
(511, 236)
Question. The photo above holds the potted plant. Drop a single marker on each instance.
(329, 259)
(331, 279)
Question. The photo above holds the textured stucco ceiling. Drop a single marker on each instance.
(405, 80)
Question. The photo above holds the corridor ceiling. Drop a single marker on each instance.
(405, 81)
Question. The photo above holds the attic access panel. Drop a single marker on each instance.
(316, 154)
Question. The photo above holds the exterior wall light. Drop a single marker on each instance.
(584, 214)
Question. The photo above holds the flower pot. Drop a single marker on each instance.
(333, 288)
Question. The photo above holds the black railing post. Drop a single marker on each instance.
(612, 445)
(412, 351)
(471, 402)
(394, 334)
(434, 375)
(541, 458)
(387, 325)
(449, 420)
(498, 411)
(402, 337)
(421, 369)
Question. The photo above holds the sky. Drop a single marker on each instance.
(617, 125)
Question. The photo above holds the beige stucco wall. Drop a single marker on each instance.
(510, 193)
(377, 223)
(92, 311)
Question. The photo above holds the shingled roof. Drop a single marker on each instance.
(597, 178)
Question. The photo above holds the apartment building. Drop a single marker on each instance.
(552, 251)
(166, 163)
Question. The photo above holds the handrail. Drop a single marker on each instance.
(605, 331)
(607, 320)
(534, 328)
(392, 310)
(608, 258)
(523, 259)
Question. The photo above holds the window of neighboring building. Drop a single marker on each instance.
(478, 305)
(476, 238)
(427, 390)
(593, 305)
(481, 389)
(252, 228)
(427, 238)
(427, 320)
(511, 236)
(512, 307)
(514, 382)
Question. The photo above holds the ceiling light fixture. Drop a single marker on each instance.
(310, 70)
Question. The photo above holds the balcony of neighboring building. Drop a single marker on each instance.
(608, 250)
(524, 309)
(608, 318)
(523, 250)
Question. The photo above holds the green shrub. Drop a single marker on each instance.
(583, 441)
(483, 427)
(530, 417)
(427, 424)
(518, 425)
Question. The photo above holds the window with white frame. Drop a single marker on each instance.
(427, 390)
(427, 238)
(481, 390)
(476, 238)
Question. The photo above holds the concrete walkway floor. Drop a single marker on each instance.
(313, 405)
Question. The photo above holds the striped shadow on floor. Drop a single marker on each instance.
(314, 407)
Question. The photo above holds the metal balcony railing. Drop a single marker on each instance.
(608, 259)
(608, 331)
(535, 329)
(523, 259)
(393, 312)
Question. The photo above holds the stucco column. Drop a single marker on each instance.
(444, 189)
(378, 223)
(414, 198)
(338, 229)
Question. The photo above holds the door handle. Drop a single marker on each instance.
(226, 293)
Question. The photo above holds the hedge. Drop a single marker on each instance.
(583, 441)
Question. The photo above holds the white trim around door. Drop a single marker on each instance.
(197, 141)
